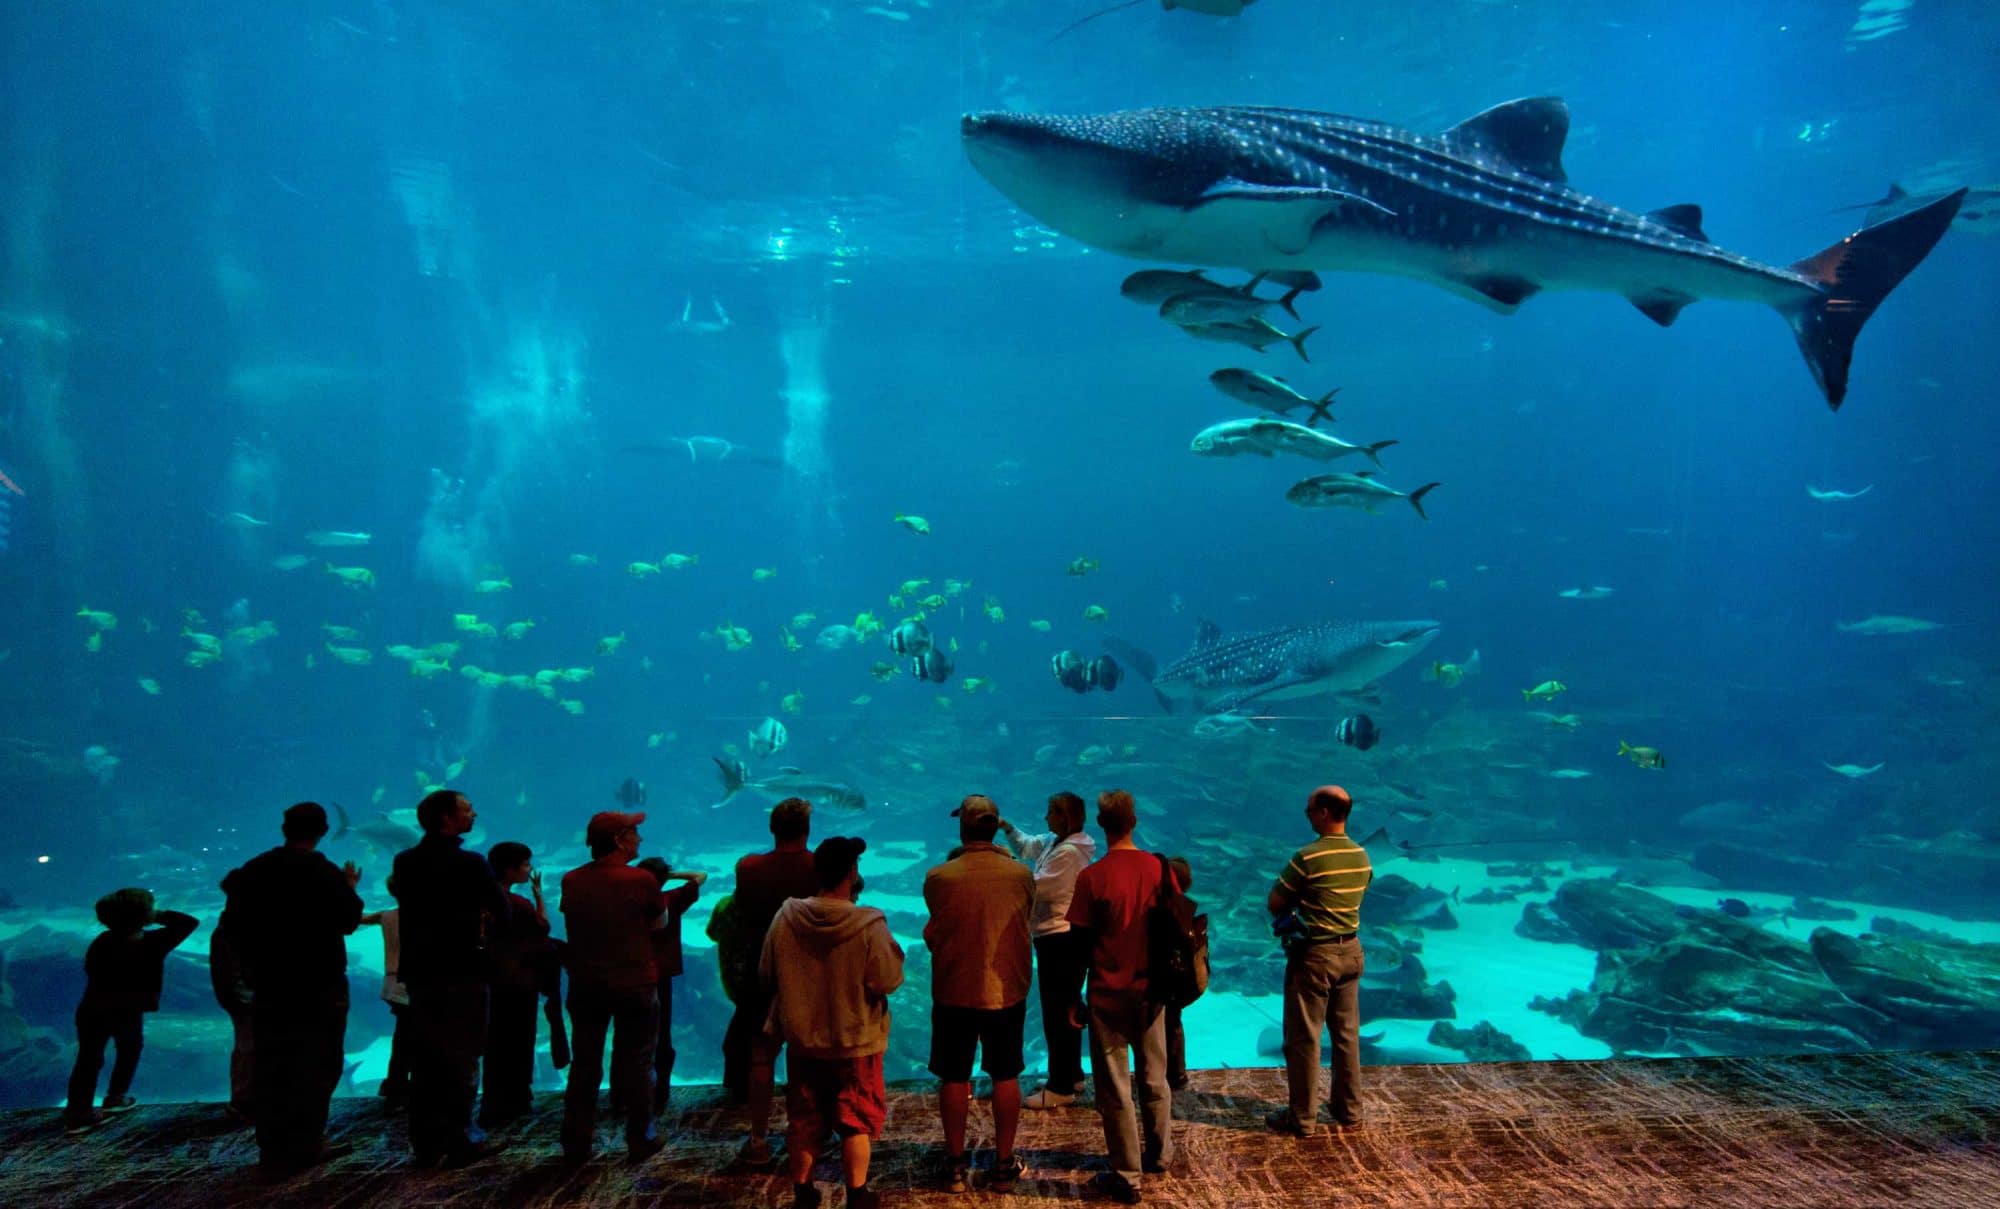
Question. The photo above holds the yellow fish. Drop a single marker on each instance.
(94, 643)
(353, 577)
(1096, 613)
(915, 524)
(517, 629)
(761, 574)
(1039, 626)
(487, 587)
(99, 618)
(641, 570)
(674, 562)
(1644, 757)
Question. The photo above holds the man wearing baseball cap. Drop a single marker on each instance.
(981, 969)
(1321, 889)
(609, 908)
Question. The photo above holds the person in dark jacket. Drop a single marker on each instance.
(124, 969)
(449, 904)
(288, 914)
(233, 995)
(666, 938)
(521, 953)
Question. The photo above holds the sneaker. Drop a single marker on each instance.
(1282, 1121)
(1046, 1099)
(806, 1196)
(863, 1197)
(1113, 1185)
(76, 1127)
(955, 1174)
(1004, 1176)
(645, 1148)
(119, 1104)
(755, 1153)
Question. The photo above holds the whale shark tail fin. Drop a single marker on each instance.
(1855, 275)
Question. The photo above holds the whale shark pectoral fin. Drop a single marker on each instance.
(1285, 214)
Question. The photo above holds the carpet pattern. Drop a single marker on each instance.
(1835, 1130)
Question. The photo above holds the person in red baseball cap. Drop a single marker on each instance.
(1317, 905)
(610, 907)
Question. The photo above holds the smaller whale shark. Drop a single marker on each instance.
(1226, 672)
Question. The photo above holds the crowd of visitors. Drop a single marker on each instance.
(470, 966)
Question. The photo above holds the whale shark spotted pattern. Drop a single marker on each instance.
(1483, 209)
(1226, 672)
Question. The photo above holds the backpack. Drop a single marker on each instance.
(1176, 946)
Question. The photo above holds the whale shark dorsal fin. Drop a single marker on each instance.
(1207, 634)
(1527, 135)
(1684, 219)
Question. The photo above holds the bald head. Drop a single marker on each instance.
(1329, 806)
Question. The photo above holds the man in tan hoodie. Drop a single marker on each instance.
(830, 966)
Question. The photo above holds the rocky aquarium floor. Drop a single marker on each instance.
(1913, 1129)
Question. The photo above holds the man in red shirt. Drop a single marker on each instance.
(764, 880)
(1109, 909)
(610, 908)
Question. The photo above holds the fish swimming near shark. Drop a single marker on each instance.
(1225, 672)
(1483, 209)
(1266, 436)
(786, 783)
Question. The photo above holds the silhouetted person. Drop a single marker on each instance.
(609, 908)
(520, 952)
(764, 880)
(1058, 855)
(449, 903)
(233, 995)
(981, 968)
(1112, 898)
(1322, 886)
(289, 910)
(830, 966)
(667, 965)
(124, 969)
(1176, 1035)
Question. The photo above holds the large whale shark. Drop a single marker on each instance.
(1483, 209)
(1228, 671)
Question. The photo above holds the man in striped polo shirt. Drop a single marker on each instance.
(1321, 889)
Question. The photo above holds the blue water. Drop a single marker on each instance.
(459, 279)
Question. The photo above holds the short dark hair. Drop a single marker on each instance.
(791, 819)
(304, 821)
(981, 829)
(836, 857)
(1183, 872)
(1072, 810)
(436, 804)
(658, 867)
(126, 910)
(509, 854)
(1337, 806)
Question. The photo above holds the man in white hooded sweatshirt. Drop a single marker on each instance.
(830, 966)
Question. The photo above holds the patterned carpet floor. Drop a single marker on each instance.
(1847, 1130)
